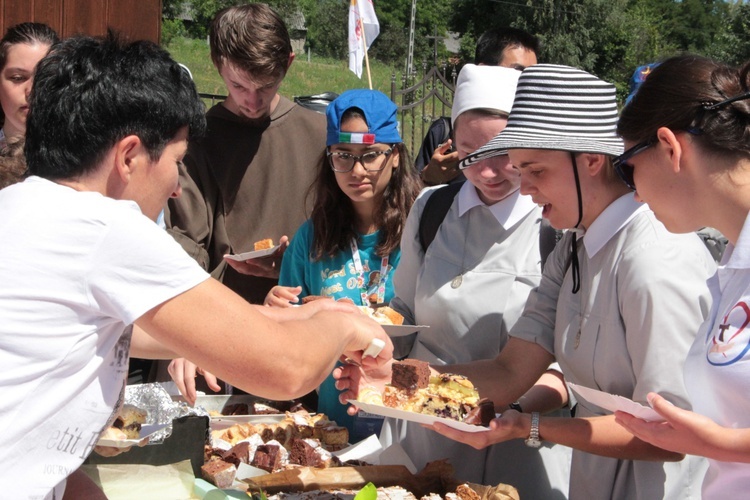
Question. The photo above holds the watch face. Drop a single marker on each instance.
(533, 443)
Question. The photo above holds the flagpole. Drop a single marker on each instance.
(364, 44)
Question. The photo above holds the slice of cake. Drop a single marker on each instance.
(410, 374)
(310, 453)
(129, 420)
(219, 473)
(446, 395)
(267, 457)
(237, 454)
(482, 414)
(263, 244)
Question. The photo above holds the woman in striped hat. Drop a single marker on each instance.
(619, 301)
(469, 281)
(688, 155)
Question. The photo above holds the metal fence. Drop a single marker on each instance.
(423, 100)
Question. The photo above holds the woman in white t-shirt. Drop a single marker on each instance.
(687, 136)
(22, 47)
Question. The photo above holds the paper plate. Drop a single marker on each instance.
(613, 403)
(241, 257)
(403, 330)
(146, 431)
(420, 418)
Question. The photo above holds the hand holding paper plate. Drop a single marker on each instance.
(615, 403)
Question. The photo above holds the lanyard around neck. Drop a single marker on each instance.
(360, 270)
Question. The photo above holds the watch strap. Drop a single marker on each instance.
(516, 406)
(534, 441)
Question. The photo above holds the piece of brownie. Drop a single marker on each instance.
(219, 473)
(239, 453)
(481, 414)
(236, 409)
(304, 453)
(267, 457)
(410, 374)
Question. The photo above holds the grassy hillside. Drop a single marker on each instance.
(303, 78)
(307, 78)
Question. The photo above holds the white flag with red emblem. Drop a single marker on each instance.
(364, 10)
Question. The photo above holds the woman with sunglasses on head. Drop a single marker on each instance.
(349, 247)
(619, 301)
(22, 47)
(688, 134)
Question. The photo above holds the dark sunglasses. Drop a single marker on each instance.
(625, 169)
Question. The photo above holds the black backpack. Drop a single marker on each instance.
(317, 102)
(437, 206)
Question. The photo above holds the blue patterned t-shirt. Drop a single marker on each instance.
(334, 277)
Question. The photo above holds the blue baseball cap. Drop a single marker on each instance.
(380, 115)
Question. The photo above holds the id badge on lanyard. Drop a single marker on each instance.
(357, 261)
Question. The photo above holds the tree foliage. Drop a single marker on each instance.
(606, 37)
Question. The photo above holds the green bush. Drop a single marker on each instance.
(171, 29)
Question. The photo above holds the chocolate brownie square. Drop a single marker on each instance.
(410, 374)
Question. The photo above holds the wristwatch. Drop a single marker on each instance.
(533, 440)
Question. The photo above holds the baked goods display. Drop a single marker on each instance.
(263, 244)
(383, 315)
(463, 492)
(435, 482)
(446, 395)
(300, 440)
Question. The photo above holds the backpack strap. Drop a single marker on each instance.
(447, 128)
(435, 209)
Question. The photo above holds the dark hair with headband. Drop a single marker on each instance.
(694, 94)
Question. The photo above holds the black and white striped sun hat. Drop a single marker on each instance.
(560, 108)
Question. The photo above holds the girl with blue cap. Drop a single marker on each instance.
(349, 247)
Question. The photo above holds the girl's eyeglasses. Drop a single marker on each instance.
(373, 161)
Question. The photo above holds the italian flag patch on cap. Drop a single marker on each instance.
(345, 137)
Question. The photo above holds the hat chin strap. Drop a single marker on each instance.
(574, 264)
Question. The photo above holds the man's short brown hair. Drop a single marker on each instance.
(251, 37)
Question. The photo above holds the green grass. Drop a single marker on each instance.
(303, 78)
(307, 78)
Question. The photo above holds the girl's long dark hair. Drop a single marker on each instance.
(334, 219)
